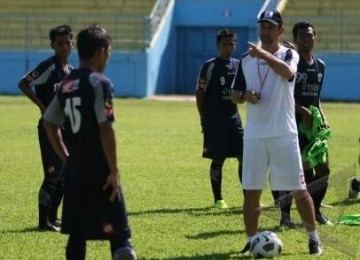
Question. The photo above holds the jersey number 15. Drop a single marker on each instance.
(72, 111)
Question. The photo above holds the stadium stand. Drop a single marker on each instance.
(25, 24)
(335, 21)
(111, 7)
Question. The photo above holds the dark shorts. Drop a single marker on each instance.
(223, 139)
(50, 161)
(87, 209)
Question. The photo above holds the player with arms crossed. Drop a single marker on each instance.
(94, 206)
(265, 79)
(43, 78)
(220, 119)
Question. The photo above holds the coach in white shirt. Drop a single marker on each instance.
(265, 80)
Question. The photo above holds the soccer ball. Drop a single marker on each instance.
(265, 244)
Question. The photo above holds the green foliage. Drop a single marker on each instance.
(167, 187)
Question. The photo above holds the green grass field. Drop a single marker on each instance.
(167, 188)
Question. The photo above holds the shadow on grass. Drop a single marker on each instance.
(345, 202)
(207, 211)
(219, 256)
(25, 230)
(191, 211)
(198, 211)
(207, 235)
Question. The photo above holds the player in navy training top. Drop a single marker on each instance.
(220, 120)
(309, 82)
(94, 205)
(44, 78)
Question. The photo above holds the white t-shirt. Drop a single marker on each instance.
(274, 115)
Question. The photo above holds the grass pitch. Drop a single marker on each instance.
(167, 187)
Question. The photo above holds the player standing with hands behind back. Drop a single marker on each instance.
(44, 77)
(220, 119)
(265, 79)
(308, 86)
(94, 206)
(309, 81)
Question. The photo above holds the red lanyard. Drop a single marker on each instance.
(262, 80)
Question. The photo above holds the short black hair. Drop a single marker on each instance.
(225, 33)
(91, 39)
(60, 30)
(301, 25)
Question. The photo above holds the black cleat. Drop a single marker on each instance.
(246, 249)
(49, 227)
(315, 248)
(321, 219)
(56, 223)
(287, 223)
(353, 191)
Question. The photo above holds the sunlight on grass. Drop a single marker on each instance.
(167, 187)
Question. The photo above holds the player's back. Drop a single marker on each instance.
(82, 96)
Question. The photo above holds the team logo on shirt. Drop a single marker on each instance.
(230, 66)
(202, 82)
(320, 76)
(109, 111)
(29, 78)
(69, 85)
(51, 169)
(35, 74)
(108, 229)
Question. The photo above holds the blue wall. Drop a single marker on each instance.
(128, 71)
(217, 12)
(194, 13)
(13, 66)
(342, 81)
(153, 71)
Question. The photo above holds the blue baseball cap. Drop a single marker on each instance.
(272, 16)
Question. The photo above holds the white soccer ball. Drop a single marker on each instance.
(266, 244)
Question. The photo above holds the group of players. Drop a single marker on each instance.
(279, 85)
(78, 143)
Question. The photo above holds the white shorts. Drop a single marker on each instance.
(281, 155)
